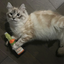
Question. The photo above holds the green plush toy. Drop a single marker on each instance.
(12, 42)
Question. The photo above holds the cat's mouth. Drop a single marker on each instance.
(14, 21)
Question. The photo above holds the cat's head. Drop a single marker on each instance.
(15, 14)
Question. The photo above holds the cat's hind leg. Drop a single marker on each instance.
(61, 49)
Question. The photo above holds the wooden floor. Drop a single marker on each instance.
(36, 52)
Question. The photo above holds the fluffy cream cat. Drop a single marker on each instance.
(44, 25)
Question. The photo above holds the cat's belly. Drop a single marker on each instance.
(46, 34)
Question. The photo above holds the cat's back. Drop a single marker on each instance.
(44, 17)
(44, 12)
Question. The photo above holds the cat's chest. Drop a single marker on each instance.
(17, 31)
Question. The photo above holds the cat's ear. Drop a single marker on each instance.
(9, 6)
(22, 7)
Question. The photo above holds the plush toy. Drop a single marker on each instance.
(12, 42)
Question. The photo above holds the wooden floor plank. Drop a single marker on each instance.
(48, 55)
(56, 3)
(2, 56)
(40, 4)
(43, 53)
(27, 58)
(61, 9)
(8, 60)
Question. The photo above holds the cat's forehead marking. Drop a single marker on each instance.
(14, 10)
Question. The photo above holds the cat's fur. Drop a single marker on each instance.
(44, 25)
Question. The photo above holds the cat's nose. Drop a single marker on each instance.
(13, 18)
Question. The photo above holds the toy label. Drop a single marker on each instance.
(19, 50)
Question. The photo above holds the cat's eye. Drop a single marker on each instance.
(18, 14)
(10, 13)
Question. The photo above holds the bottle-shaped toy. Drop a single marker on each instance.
(12, 42)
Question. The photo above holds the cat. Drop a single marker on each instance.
(43, 25)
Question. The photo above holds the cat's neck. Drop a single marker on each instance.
(19, 24)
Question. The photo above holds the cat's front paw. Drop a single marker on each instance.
(14, 47)
(14, 37)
